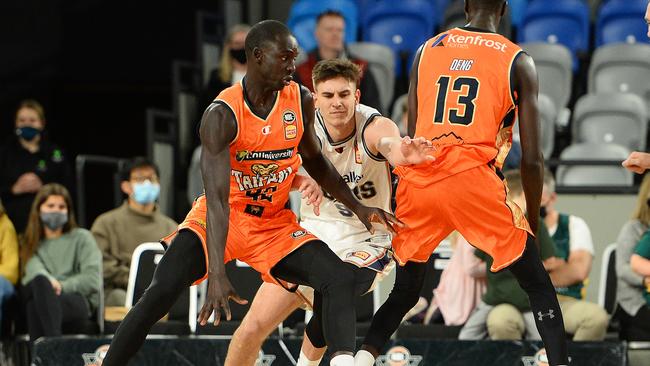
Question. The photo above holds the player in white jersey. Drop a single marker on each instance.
(360, 143)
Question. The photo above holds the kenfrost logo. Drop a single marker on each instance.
(264, 360)
(456, 40)
(398, 356)
(96, 358)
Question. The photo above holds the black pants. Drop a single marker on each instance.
(637, 327)
(532, 278)
(47, 312)
(313, 264)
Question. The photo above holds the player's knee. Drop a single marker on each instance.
(405, 295)
(254, 329)
(342, 279)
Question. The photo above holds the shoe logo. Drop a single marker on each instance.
(398, 356)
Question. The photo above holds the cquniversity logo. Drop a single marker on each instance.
(398, 356)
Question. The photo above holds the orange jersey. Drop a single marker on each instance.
(264, 154)
(466, 102)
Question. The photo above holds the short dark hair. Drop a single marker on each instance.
(486, 4)
(334, 68)
(515, 185)
(137, 163)
(264, 32)
(329, 13)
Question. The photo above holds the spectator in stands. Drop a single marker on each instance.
(570, 267)
(504, 311)
(27, 162)
(640, 263)
(631, 287)
(62, 266)
(232, 65)
(119, 231)
(462, 284)
(8, 259)
(330, 35)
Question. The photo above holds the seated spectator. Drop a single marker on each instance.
(570, 268)
(8, 259)
(62, 270)
(119, 231)
(232, 65)
(504, 311)
(631, 287)
(27, 162)
(462, 284)
(640, 263)
(330, 35)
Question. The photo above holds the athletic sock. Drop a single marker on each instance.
(342, 360)
(364, 358)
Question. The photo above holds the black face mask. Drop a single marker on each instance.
(648, 201)
(239, 55)
(542, 212)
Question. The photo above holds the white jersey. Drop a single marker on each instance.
(368, 176)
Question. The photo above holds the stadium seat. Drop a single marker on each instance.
(607, 285)
(547, 114)
(303, 14)
(402, 26)
(586, 175)
(619, 118)
(621, 68)
(182, 315)
(621, 21)
(554, 70)
(246, 282)
(517, 10)
(564, 22)
(381, 63)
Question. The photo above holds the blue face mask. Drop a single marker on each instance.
(54, 220)
(146, 192)
(28, 132)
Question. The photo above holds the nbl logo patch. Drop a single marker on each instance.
(289, 117)
(290, 129)
(298, 234)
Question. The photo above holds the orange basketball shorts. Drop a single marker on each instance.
(472, 202)
(261, 242)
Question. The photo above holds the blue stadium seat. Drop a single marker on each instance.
(517, 9)
(402, 26)
(565, 22)
(303, 14)
(622, 21)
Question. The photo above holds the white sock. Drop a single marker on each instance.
(342, 360)
(364, 358)
(304, 361)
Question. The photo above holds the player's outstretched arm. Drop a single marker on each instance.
(218, 129)
(382, 136)
(532, 161)
(328, 177)
(637, 162)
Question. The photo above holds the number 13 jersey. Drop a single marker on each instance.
(466, 102)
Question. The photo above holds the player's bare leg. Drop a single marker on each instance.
(272, 304)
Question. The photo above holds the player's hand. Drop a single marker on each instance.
(417, 150)
(311, 193)
(368, 215)
(220, 291)
(637, 162)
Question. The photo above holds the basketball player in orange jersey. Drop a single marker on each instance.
(467, 87)
(251, 136)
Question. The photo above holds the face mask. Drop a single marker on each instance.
(28, 132)
(239, 55)
(542, 212)
(146, 192)
(54, 220)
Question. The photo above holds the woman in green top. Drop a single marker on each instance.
(61, 275)
(640, 263)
